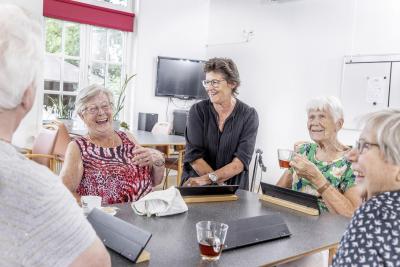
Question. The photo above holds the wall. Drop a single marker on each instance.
(174, 28)
(29, 126)
(296, 53)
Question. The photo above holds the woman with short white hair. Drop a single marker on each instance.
(320, 168)
(40, 223)
(372, 237)
(108, 163)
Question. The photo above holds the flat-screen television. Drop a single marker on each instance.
(180, 78)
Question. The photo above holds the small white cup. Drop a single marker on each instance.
(89, 203)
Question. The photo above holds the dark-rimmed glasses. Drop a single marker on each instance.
(213, 83)
(361, 145)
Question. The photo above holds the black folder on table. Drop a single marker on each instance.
(207, 190)
(295, 197)
(118, 235)
(253, 230)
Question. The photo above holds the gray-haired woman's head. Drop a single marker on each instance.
(21, 55)
(330, 104)
(227, 68)
(87, 93)
(385, 126)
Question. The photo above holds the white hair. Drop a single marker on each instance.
(88, 93)
(330, 104)
(385, 126)
(21, 54)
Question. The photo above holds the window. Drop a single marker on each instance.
(78, 55)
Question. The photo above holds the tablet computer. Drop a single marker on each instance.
(207, 190)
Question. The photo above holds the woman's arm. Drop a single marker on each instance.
(72, 169)
(144, 156)
(343, 204)
(285, 180)
(228, 171)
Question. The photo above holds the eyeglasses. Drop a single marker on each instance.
(361, 145)
(96, 109)
(213, 83)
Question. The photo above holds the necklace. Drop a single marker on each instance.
(99, 143)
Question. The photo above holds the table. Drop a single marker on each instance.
(147, 138)
(174, 238)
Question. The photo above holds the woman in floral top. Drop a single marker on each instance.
(321, 168)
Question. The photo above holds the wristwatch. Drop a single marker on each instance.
(213, 177)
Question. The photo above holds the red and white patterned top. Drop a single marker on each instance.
(110, 172)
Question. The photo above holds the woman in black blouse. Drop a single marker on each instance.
(373, 236)
(221, 131)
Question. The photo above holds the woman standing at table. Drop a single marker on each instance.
(107, 163)
(221, 131)
(373, 235)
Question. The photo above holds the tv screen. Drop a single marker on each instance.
(180, 78)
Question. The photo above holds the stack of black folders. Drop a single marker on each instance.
(120, 236)
(288, 198)
(208, 193)
(253, 230)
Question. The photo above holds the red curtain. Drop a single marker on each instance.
(88, 14)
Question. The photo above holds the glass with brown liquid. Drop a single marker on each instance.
(211, 237)
(284, 157)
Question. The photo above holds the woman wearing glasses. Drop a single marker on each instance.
(221, 131)
(108, 163)
(320, 168)
(373, 235)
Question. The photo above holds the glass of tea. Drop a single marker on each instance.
(284, 156)
(211, 237)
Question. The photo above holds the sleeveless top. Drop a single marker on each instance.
(110, 172)
(337, 172)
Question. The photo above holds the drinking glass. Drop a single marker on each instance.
(284, 157)
(211, 237)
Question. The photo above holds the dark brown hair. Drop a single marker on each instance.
(227, 68)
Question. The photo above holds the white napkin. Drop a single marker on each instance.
(160, 203)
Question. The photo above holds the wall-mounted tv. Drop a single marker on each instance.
(180, 78)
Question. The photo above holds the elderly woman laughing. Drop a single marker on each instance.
(108, 163)
(321, 168)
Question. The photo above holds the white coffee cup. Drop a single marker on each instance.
(89, 203)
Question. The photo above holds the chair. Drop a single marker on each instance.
(173, 161)
(50, 146)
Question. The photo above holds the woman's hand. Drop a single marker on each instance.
(198, 181)
(144, 156)
(307, 169)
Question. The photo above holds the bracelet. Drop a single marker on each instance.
(322, 189)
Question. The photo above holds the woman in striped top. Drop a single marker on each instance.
(108, 163)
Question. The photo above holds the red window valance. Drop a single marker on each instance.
(88, 14)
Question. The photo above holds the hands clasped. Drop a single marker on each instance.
(143, 156)
(305, 168)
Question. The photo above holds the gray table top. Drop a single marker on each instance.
(174, 240)
(147, 138)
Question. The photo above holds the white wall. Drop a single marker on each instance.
(297, 53)
(30, 125)
(174, 28)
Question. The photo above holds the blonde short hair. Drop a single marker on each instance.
(88, 93)
(385, 126)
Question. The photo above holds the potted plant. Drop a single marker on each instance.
(119, 105)
(63, 112)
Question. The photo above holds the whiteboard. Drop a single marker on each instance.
(394, 96)
(365, 88)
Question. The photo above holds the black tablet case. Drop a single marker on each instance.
(300, 198)
(253, 230)
(118, 235)
(207, 190)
